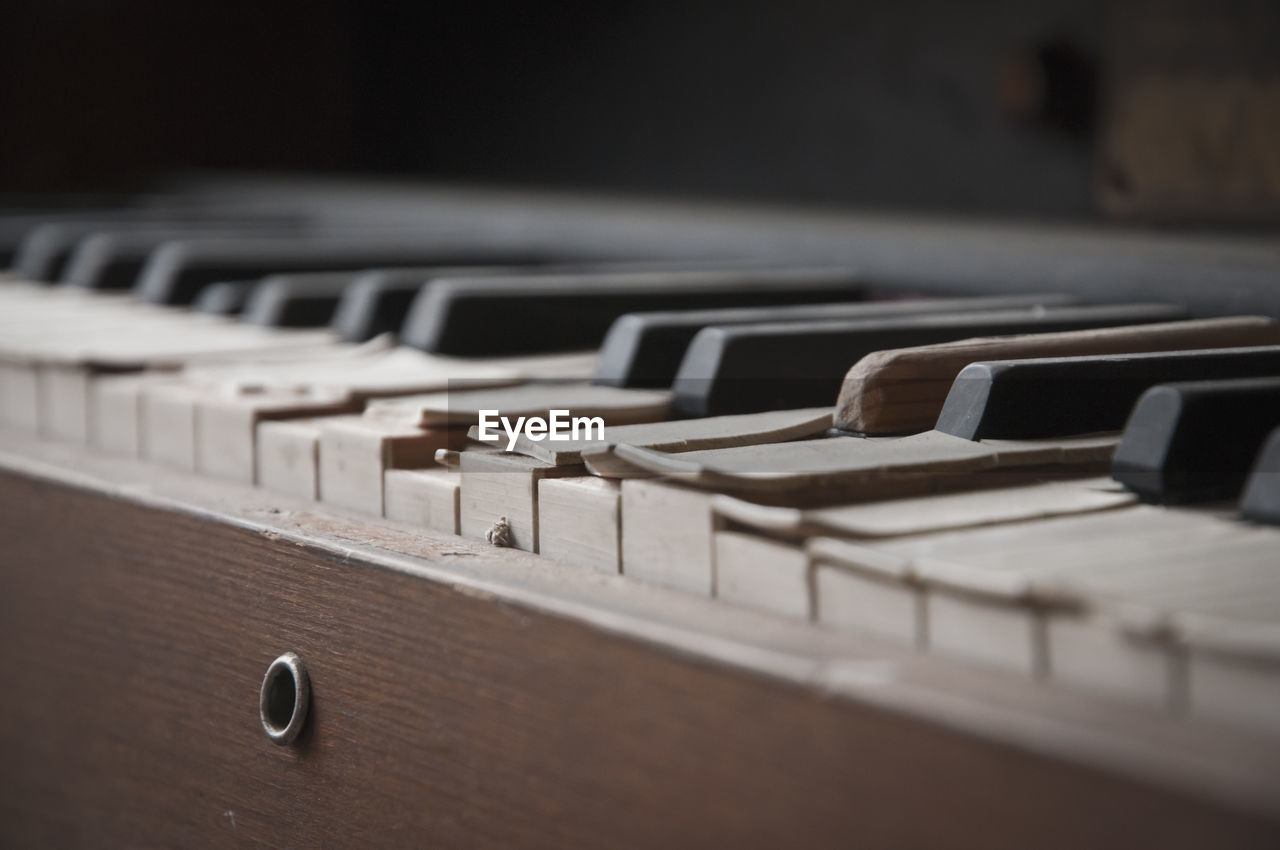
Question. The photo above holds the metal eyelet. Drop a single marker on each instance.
(285, 698)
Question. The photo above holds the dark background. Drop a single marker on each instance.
(986, 107)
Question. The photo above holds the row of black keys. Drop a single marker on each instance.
(729, 339)
(790, 350)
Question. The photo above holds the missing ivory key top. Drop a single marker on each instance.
(903, 389)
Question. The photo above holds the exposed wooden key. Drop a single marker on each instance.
(1261, 501)
(743, 368)
(902, 390)
(564, 312)
(645, 349)
(1059, 396)
(1195, 442)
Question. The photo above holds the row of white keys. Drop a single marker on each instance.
(502, 486)
(761, 560)
(555, 508)
(669, 525)
(244, 426)
(57, 342)
(1097, 602)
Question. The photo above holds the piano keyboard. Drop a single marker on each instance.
(1045, 485)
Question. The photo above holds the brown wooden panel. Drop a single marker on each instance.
(133, 641)
(1191, 129)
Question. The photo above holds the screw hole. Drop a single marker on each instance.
(284, 699)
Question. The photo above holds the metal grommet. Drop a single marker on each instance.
(285, 698)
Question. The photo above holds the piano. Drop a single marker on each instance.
(987, 564)
(396, 512)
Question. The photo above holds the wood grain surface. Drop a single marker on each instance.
(133, 640)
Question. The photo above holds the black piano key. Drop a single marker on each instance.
(1261, 502)
(114, 259)
(1060, 396)
(503, 315)
(225, 298)
(750, 368)
(1194, 442)
(46, 251)
(15, 227)
(378, 301)
(296, 300)
(645, 349)
(177, 271)
(43, 253)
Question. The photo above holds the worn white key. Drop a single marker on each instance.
(355, 451)
(288, 455)
(427, 498)
(579, 522)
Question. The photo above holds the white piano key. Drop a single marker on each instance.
(169, 424)
(1087, 651)
(355, 451)
(227, 423)
(667, 535)
(1235, 689)
(579, 522)
(986, 631)
(499, 486)
(64, 401)
(21, 395)
(288, 453)
(868, 603)
(423, 497)
(760, 573)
